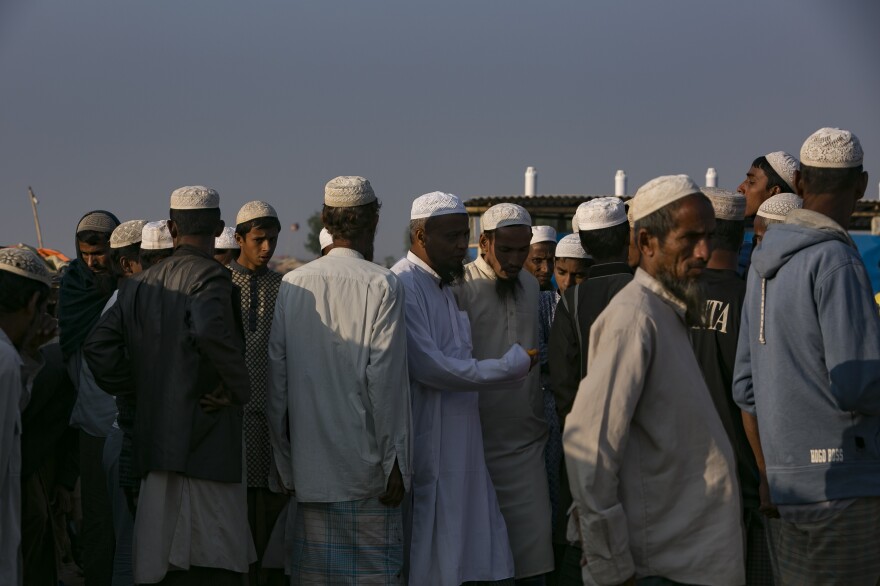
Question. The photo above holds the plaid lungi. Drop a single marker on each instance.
(355, 542)
(843, 549)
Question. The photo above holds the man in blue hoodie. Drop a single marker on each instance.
(808, 368)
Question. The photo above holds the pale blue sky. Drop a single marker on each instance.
(114, 104)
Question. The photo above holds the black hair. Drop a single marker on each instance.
(93, 237)
(606, 243)
(264, 223)
(773, 178)
(818, 180)
(151, 257)
(350, 223)
(728, 235)
(132, 251)
(196, 222)
(18, 290)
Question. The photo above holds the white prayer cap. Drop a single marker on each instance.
(24, 263)
(226, 240)
(785, 165)
(348, 192)
(598, 213)
(727, 204)
(778, 206)
(155, 236)
(253, 210)
(325, 238)
(436, 203)
(543, 234)
(127, 233)
(570, 247)
(832, 148)
(660, 192)
(504, 214)
(194, 197)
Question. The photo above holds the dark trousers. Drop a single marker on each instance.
(199, 576)
(37, 534)
(98, 538)
(264, 507)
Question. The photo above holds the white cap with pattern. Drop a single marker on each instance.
(785, 166)
(226, 240)
(504, 214)
(127, 233)
(253, 210)
(726, 204)
(599, 213)
(832, 148)
(436, 203)
(24, 263)
(660, 192)
(778, 206)
(155, 236)
(570, 247)
(348, 191)
(543, 234)
(194, 197)
(325, 238)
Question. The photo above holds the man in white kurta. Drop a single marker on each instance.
(501, 301)
(457, 531)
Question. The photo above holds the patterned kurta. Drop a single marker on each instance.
(257, 290)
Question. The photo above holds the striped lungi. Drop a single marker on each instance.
(355, 542)
(843, 549)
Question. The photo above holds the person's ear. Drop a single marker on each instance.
(219, 229)
(798, 183)
(861, 186)
(172, 229)
(240, 239)
(484, 243)
(646, 243)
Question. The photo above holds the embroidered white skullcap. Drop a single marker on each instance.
(348, 192)
(155, 236)
(194, 197)
(598, 213)
(778, 206)
(727, 204)
(570, 247)
(127, 233)
(97, 221)
(226, 240)
(832, 148)
(543, 234)
(325, 238)
(436, 203)
(504, 214)
(785, 165)
(253, 210)
(24, 263)
(662, 191)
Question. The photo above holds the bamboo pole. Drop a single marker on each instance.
(33, 199)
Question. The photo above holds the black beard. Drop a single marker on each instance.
(691, 292)
(451, 274)
(505, 288)
(105, 283)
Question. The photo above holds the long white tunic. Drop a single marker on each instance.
(514, 429)
(458, 533)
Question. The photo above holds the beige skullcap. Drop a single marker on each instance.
(599, 213)
(570, 247)
(785, 166)
(436, 203)
(832, 148)
(778, 206)
(226, 240)
(662, 191)
(325, 238)
(194, 197)
(543, 234)
(155, 236)
(727, 204)
(97, 221)
(348, 191)
(253, 210)
(24, 263)
(127, 233)
(504, 214)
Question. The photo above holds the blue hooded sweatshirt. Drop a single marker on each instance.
(808, 362)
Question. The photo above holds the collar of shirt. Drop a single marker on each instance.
(233, 264)
(346, 252)
(424, 266)
(609, 268)
(648, 282)
(485, 268)
(191, 250)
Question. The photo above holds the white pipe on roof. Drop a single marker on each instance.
(531, 181)
(711, 177)
(620, 182)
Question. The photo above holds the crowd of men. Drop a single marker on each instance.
(628, 405)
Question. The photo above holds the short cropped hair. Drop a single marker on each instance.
(606, 243)
(195, 222)
(349, 223)
(265, 223)
(773, 178)
(150, 257)
(821, 180)
(728, 235)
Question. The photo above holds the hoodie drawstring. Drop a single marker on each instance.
(761, 338)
